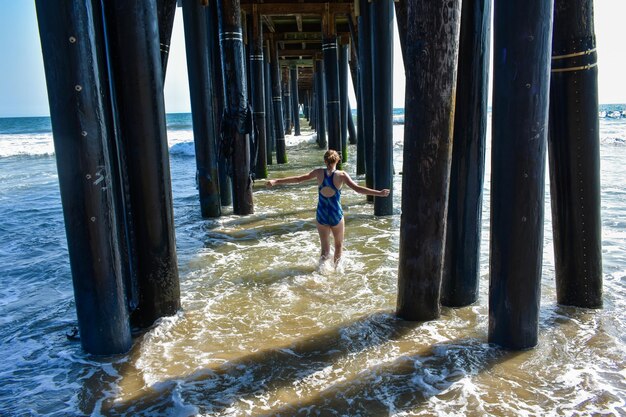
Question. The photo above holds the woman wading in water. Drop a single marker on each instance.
(329, 212)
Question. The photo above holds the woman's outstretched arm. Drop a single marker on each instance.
(293, 180)
(364, 190)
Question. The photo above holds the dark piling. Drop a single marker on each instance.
(382, 79)
(286, 76)
(226, 193)
(295, 100)
(166, 10)
(313, 112)
(461, 265)
(257, 77)
(352, 135)
(401, 21)
(269, 115)
(72, 43)
(333, 108)
(321, 104)
(343, 100)
(236, 120)
(574, 150)
(431, 53)
(365, 90)
(137, 75)
(520, 122)
(202, 113)
(277, 105)
(360, 144)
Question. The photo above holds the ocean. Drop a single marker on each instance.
(263, 330)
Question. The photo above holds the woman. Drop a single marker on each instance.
(329, 213)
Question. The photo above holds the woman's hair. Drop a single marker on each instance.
(331, 157)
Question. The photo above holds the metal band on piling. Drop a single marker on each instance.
(575, 54)
(580, 68)
(231, 36)
(575, 61)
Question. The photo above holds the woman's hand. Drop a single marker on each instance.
(270, 183)
(384, 193)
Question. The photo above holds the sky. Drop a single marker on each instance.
(23, 86)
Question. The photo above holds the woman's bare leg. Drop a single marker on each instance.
(338, 231)
(324, 232)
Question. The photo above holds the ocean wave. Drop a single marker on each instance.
(26, 145)
(613, 114)
(183, 149)
(612, 140)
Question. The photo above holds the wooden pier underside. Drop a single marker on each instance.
(299, 29)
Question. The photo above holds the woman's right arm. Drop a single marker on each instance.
(293, 180)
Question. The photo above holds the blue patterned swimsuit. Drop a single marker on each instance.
(329, 211)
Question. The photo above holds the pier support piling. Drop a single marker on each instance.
(277, 101)
(401, 22)
(321, 104)
(166, 10)
(270, 136)
(431, 53)
(360, 144)
(257, 77)
(226, 192)
(333, 108)
(203, 115)
(520, 127)
(462, 253)
(137, 75)
(352, 134)
(72, 43)
(295, 102)
(382, 79)
(343, 100)
(286, 82)
(365, 90)
(574, 150)
(236, 120)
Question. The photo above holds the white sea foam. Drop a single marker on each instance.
(39, 144)
(274, 335)
(183, 149)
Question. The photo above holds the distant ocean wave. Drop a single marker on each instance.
(183, 149)
(611, 140)
(26, 144)
(32, 136)
(614, 114)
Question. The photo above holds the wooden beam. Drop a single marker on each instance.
(278, 9)
(299, 36)
(298, 52)
(268, 22)
(299, 22)
(328, 22)
(300, 42)
(299, 62)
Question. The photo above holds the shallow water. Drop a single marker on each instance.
(265, 331)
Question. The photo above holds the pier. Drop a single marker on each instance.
(255, 67)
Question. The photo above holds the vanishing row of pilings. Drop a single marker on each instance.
(105, 64)
(442, 184)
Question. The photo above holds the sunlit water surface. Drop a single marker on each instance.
(265, 330)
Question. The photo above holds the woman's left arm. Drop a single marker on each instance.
(364, 190)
